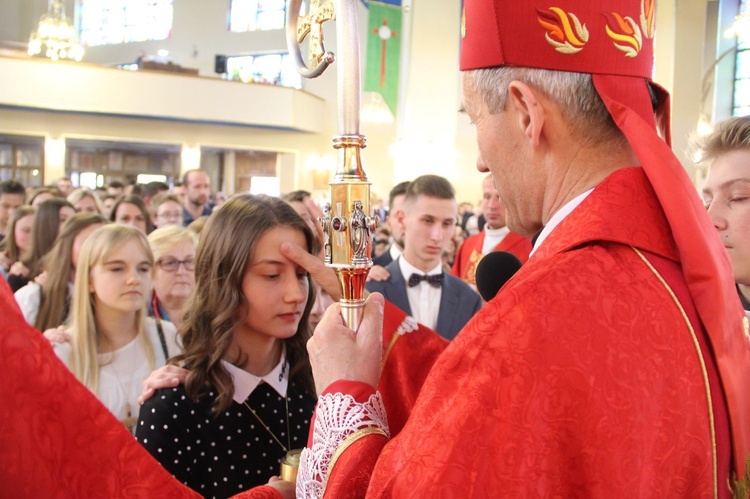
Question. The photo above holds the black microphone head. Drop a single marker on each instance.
(494, 270)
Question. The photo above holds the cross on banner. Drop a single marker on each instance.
(383, 52)
(384, 33)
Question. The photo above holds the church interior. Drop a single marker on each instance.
(162, 87)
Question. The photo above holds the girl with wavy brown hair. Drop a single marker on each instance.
(249, 395)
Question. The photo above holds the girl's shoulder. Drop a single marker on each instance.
(63, 351)
(176, 403)
(29, 297)
(30, 292)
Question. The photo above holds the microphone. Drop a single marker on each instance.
(494, 270)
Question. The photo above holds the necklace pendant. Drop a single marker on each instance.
(129, 421)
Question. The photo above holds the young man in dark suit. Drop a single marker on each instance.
(418, 285)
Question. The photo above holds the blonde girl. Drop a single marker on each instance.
(83, 199)
(114, 346)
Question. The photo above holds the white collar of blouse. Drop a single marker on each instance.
(245, 383)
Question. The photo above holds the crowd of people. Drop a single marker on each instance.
(124, 293)
(613, 363)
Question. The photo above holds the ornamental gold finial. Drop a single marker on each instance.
(312, 25)
(348, 222)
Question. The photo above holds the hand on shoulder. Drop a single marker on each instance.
(57, 335)
(167, 376)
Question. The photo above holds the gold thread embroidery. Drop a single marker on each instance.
(648, 19)
(471, 267)
(387, 352)
(627, 32)
(702, 363)
(348, 441)
(741, 488)
(563, 30)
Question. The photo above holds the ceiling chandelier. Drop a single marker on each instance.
(56, 34)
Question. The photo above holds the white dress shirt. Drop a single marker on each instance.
(394, 251)
(424, 299)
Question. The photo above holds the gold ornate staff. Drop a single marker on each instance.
(347, 223)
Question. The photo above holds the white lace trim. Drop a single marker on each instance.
(337, 416)
(409, 325)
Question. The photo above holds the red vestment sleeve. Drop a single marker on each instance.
(351, 423)
(260, 492)
(352, 465)
(350, 474)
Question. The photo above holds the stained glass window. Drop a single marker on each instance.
(274, 69)
(254, 15)
(106, 22)
(741, 105)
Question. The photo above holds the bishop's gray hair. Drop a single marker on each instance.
(573, 92)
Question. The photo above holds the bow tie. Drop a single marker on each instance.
(435, 280)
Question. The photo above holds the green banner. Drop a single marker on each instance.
(383, 52)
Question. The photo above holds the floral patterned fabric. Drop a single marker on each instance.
(589, 375)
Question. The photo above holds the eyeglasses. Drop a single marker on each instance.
(171, 264)
(170, 215)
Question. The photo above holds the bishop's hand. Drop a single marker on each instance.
(338, 353)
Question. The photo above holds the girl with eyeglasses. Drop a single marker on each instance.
(113, 345)
(174, 276)
(248, 396)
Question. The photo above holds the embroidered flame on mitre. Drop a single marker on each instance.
(625, 33)
(648, 18)
(564, 31)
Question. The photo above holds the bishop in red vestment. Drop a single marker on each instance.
(614, 363)
(494, 237)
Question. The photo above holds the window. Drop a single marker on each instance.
(741, 104)
(22, 159)
(254, 15)
(95, 163)
(275, 69)
(106, 22)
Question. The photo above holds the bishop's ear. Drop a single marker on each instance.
(527, 110)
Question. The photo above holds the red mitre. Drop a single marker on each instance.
(613, 41)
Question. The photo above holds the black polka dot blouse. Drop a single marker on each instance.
(219, 456)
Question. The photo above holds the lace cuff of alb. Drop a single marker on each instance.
(337, 418)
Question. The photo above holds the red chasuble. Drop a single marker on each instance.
(588, 375)
(58, 439)
(470, 253)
